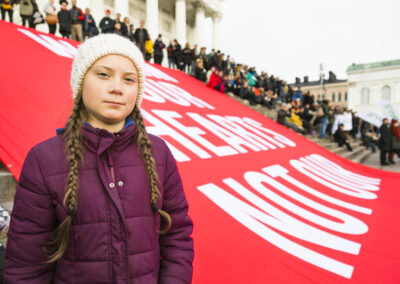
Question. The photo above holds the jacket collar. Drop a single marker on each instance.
(98, 140)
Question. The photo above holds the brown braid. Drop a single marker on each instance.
(74, 148)
(144, 144)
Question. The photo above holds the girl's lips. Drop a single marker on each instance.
(114, 103)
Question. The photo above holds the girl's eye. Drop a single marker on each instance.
(102, 74)
(130, 80)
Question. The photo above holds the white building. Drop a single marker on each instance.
(183, 20)
(368, 84)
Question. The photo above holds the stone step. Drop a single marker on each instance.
(362, 157)
(354, 153)
(8, 186)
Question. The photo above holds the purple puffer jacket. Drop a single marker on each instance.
(114, 235)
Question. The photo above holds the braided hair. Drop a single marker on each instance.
(74, 149)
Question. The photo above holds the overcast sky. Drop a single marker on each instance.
(289, 38)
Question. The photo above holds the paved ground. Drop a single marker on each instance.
(373, 161)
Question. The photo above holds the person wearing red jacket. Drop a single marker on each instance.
(216, 82)
(77, 19)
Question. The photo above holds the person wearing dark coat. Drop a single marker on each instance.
(107, 24)
(341, 137)
(158, 50)
(395, 132)
(124, 28)
(187, 58)
(177, 55)
(199, 71)
(64, 20)
(385, 141)
(170, 54)
(141, 36)
(89, 27)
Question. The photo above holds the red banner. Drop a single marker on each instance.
(268, 205)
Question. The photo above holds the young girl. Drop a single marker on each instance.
(102, 202)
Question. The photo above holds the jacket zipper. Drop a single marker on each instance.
(111, 165)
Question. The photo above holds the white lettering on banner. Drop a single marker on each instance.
(279, 171)
(310, 172)
(262, 217)
(234, 135)
(161, 129)
(233, 127)
(151, 71)
(230, 138)
(194, 133)
(179, 92)
(337, 179)
(335, 168)
(59, 47)
(258, 128)
(155, 87)
(150, 95)
(347, 224)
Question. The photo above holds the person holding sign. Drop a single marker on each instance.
(102, 202)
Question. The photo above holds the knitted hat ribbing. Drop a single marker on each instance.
(96, 47)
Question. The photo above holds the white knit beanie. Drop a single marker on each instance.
(104, 44)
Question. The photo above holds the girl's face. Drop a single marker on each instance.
(109, 92)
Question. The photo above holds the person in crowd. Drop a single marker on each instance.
(395, 133)
(306, 116)
(283, 114)
(131, 33)
(295, 112)
(245, 91)
(77, 18)
(216, 81)
(340, 137)
(385, 141)
(127, 23)
(51, 16)
(106, 23)
(7, 8)
(203, 56)
(170, 54)
(89, 25)
(158, 50)
(149, 48)
(117, 28)
(187, 58)
(200, 72)
(324, 118)
(209, 73)
(78, 191)
(370, 137)
(26, 12)
(123, 26)
(177, 54)
(64, 20)
(250, 78)
(194, 53)
(141, 36)
(270, 99)
(297, 95)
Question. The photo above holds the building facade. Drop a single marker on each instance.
(334, 90)
(371, 83)
(174, 19)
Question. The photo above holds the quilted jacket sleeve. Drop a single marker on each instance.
(32, 220)
(176, 246)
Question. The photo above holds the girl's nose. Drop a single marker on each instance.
(116, 87)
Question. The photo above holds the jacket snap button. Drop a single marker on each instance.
(120, 183)
(111, 185)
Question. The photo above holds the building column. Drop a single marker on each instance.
(199, 25)
(152, 18)
(180, 21)
(122, 7)
(216, 31)
(97, 10)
